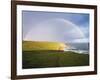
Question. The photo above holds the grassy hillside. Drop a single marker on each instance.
(45, 54)
(37, 45)
(42, 59)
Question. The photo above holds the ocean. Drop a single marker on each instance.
(78, 47)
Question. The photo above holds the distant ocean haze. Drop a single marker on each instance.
(79, 47)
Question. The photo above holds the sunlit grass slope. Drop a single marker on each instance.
(37, 45)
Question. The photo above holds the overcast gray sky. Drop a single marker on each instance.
(55, 26)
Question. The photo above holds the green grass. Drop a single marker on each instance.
(47, 54)
(50, 58)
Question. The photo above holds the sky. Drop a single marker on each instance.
(55, 26)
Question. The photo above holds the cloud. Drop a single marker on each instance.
(85, 30)
(56, 29)
(84, 40)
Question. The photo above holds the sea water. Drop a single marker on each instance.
(82, 48)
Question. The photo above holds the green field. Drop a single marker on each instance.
(39, 58)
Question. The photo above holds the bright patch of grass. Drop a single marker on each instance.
(42, 45)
